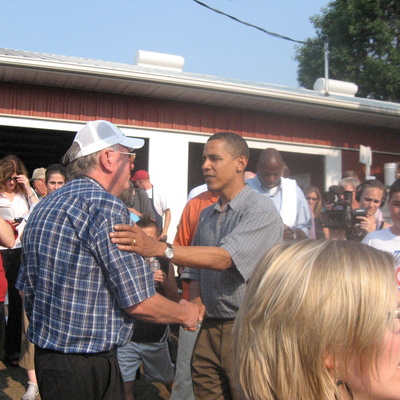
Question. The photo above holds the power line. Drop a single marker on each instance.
(248, 24)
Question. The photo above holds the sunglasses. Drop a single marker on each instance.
(312, 198)
(14, 178)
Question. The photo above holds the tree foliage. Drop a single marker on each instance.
(364, 47)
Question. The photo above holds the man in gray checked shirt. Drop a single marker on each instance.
(232, 237)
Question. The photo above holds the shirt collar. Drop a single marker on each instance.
(271, 191)
(236, 202)
(93, 181)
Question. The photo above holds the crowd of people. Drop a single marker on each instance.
(18, 196)
(269, 305)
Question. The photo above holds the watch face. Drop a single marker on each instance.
(169, 253)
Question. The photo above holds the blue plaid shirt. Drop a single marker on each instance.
(77, 282)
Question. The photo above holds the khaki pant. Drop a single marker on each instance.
(213, 361)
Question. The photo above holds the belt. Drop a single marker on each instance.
(106, 353)
(218, 320)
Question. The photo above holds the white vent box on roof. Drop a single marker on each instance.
(159, 60)
(390, 172)
(339, 88)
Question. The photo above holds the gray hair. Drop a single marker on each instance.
(81, 166)
(349, 181)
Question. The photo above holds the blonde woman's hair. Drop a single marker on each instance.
(306, 302)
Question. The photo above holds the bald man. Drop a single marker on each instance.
(285, 194)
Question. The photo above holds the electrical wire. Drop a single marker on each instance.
(276, 35)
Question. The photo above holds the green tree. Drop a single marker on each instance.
(364, 44)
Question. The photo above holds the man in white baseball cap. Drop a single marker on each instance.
(81, 291)
(98, 135)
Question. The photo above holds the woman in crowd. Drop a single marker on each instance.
(16, 198)
(56, 176)
(314, 199)
(371, 196)
(320, 321)
(7, 239)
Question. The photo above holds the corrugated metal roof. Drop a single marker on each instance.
(106, 76)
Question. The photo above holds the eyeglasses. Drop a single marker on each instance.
(132, 156)
(14, 178)
(312, 198)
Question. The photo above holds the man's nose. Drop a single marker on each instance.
(205, 166)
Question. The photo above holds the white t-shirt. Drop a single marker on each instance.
(161, 199)
(9, 210)
(385, 240)
(197, 190)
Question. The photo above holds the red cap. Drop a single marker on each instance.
(141, 174)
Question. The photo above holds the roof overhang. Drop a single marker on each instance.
(126, 79)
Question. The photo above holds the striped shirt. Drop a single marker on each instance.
(77, 282)
(247, 227)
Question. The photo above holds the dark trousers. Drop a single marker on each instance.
(11, 264)
(78, 376)
(213, 362)
(2, 331)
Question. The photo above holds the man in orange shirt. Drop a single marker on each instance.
(190, 217)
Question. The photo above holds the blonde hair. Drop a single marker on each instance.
(308, 301)
(318, 204)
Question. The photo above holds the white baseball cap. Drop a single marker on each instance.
(98, 135)
(38, 173)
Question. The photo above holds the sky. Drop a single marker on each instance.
(210, 43)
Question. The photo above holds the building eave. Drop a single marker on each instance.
(129, 79)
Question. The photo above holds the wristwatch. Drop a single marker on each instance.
(169, 252)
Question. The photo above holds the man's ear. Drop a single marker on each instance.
(106, 159)
(242, 162)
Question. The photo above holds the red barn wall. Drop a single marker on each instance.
(69, 104)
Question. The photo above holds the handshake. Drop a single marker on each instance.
(195, 315)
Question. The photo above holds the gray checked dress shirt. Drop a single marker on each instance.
(247, 228)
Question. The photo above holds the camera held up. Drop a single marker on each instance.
(341, 216)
